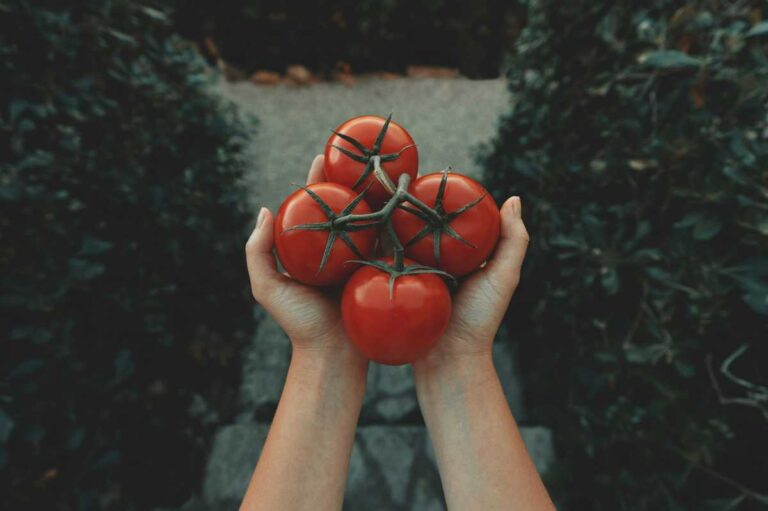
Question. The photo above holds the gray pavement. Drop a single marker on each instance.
(447, 118)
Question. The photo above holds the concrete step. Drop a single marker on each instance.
(391, 466)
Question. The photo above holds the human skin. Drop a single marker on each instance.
(305, 459)
(481, 457)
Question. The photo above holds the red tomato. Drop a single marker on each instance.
(398, 329)
(478, 225)
(352, 165)
(301, 251)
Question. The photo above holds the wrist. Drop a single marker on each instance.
(318, 363)
(453, 374)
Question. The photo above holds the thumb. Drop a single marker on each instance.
(262, 267)
(504, 268)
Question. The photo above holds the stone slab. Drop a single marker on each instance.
(391, 466)
(234, 454)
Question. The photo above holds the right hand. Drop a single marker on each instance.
(482, 299)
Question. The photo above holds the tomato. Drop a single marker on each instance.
(400, 328)
(478, 225)
(352, 165)
(301, 251)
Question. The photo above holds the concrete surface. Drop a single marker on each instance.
(447, 118)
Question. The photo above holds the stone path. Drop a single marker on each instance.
(447, 118)
(392, 465)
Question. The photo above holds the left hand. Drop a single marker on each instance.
(310, 317)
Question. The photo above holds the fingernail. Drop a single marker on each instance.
(517, 207)
(261, 217)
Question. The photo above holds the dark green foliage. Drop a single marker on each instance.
(368, 34)
(124, 293)
(638, 140)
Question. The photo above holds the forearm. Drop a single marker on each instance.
(305, 459)
(481, 456)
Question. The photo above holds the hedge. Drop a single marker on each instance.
(369, 35)
(638, 140)
(124, 297)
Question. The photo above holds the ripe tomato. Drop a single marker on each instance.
(352, 164)
(400, 328)
(301, 251)
(478, 225)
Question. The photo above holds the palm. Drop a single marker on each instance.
(482, 299)
(475, 317)
(309, 316)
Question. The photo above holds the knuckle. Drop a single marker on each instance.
(524, 236)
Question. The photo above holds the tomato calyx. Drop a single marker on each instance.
(371, 157)
(334, 229)
(440, 224)
(398, 269)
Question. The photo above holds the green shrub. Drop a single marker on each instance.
(370, 35)
(638, 140)
(124, 297)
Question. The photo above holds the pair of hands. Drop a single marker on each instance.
(312, 319)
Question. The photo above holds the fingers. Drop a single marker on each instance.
(262, 267)
(316, 172)
(504, 269)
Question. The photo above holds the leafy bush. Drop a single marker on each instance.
(638, 139)
(369, 35)
(124, 294)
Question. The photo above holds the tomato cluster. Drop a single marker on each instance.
(441, 225)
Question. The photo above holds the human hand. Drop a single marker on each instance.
(481, 456)
(482, 299)
(309, 316)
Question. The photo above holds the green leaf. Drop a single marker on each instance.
(35, 334)
(757, 301)
(669, 59)
(122, 37)
(154, 13)
(76, 438)
(16, 107)
(26, 368)
(759, 29)
(609, 278)
(124, 366)
(82, 269)
(606, 357)
(653, 254)
(6, 426)
(686, 370)
(707, 228)
(93, 246)
(762, 225)
(690, 219)
(561, 240)
(638, 354)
